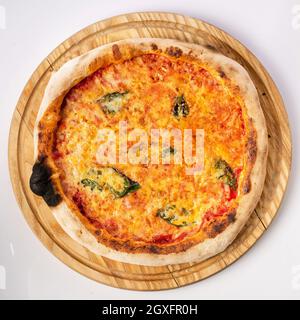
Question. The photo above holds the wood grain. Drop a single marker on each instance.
(39, 217)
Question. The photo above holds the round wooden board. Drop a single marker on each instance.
(38, 215)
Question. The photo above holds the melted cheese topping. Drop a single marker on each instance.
(170, 205)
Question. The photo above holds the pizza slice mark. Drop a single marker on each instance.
(225, 173)
(112, 179)
(178, 218)
(180, 107)
(112, 103)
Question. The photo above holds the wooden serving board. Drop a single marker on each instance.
(39, 217)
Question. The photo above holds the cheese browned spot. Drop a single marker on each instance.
(174, 52)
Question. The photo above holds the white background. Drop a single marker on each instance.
(271, 269)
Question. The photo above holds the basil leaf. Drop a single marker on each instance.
(171, 216)
(91, 184)
(180, 107)
(112, 102)
(225, 173)
(128, 185)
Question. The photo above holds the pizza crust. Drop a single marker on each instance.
(76, 69)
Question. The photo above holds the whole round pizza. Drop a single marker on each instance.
(151, 151)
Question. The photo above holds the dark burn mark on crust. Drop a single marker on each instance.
(153, 249)
(116, 52)
(231, 216)
(221, 73)
(39, 179)
(210, 47)
(51, 197)
(247, 186)
(217, 226)
(40, 183)
(252, 153)
(252, 150)
(251, 147)
(174, 52)
(154, 46)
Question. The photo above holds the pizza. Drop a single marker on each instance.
(150, 151)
